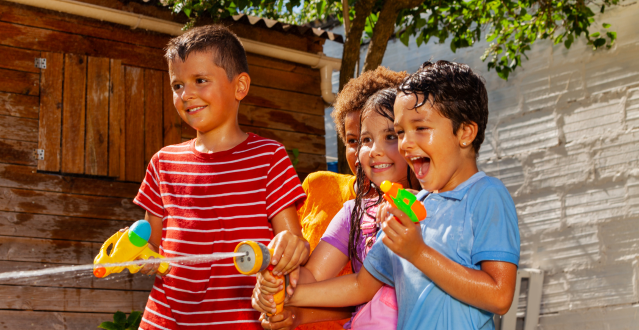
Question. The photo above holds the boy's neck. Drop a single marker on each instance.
(220, 139)
(460, 176)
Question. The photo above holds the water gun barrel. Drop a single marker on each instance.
(257, 258)
(126, 246)
(403, 200)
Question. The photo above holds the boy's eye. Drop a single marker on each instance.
(351, 141)
(200, 80)
(399, 132)
(177, 86)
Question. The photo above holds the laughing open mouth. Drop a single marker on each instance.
(420, 165)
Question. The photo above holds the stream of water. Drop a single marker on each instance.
(194, 259)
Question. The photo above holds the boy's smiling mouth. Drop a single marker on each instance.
(195, 109)
(420, 166)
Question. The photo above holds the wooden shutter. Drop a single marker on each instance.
(99, 117)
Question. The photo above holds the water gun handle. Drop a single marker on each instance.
(145, 254)
(280, 296)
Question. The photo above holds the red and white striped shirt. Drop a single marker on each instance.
(209, 203)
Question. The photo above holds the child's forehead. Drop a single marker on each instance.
(193, 59)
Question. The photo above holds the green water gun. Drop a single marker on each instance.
(399, 198)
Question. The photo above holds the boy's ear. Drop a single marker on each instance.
(467, 133)
(242, 85)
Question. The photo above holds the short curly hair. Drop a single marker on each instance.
(357, 91)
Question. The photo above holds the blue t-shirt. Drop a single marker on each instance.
(474, 222)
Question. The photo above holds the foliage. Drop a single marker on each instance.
(510, 26)
(121, 322)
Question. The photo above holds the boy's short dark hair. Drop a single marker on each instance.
(228, 51)
(458, 94)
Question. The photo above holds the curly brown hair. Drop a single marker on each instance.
(357, 91)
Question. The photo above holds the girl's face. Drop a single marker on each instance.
(378, 155)
(351, 130)
(429, 145)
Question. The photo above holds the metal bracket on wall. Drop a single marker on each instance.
(38, 154)
(41, 63)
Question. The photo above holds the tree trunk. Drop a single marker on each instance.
(382, 32)
(350, 55)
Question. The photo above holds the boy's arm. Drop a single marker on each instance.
(347, 290)
(154, 243)
(491, 288)
(290, 247)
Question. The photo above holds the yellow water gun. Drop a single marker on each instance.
(256, 258)
(126, 246)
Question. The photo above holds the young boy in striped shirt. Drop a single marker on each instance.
(208, 194)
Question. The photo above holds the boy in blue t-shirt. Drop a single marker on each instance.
(459, 265)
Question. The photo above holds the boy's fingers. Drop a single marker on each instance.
(403, 217)
(278, 245)
(287, 255)
(295, 259)
(123, 229)
(391, 233)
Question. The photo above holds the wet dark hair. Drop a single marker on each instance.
(382, 103)
(458, 93)
(228, 52)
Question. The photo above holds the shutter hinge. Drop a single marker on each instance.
(41, 63)
(38, 154)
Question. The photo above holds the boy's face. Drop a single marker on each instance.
(202, 93)
(429, 145)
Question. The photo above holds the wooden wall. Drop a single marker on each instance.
(50, 219)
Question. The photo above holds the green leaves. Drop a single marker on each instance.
(511, 27)
(121, 322)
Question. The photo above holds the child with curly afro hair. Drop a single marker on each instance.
(327, 191)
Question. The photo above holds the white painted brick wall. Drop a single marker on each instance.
(563, 136)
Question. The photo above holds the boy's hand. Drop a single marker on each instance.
(150, 269)
(283, 321)
(267, 285)
(290, 251)
(403, 237)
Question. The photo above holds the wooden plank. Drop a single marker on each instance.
(73, 113)
(284, 100)
(134, 124)
(53, 41)
(306, 143)
(153, 110)
(42, 226)
(172, 121)
(50, 125)
(283, 120)
(96, 160)
(53, 20)
(16, 128)
(48, 251)
(273, 63)
(19, 105)
(308, 163)
(29, 320)
(42, 202)
(18, 59)
(19, 82)
(70, 300)
(289, 81)
(84, 280)
(26, 177)
(116, 120)
(17, 152)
